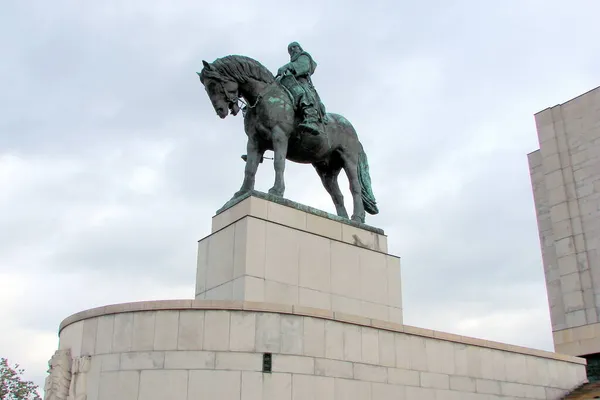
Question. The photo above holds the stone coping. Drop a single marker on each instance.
(568, 101)
(227, 305)
(297, 206)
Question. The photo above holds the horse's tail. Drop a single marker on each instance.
(366, 190)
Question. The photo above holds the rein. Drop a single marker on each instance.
(236, 99)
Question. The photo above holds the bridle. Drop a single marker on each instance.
(231, 101)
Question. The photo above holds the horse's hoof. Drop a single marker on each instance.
(276, 192)
(356, 218)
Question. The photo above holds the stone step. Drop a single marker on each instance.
(590, 390)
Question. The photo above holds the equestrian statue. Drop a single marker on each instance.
(284, 113)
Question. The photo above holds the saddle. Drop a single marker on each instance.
(288, 81)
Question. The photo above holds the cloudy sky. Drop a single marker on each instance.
(112, 160)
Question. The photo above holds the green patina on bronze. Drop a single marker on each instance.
(344, 121)
(296, 77)
(300, 207)
(284, 113)
(365, 181)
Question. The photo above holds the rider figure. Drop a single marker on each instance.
(301, 67)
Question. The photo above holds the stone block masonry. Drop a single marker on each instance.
(292, 303)
(260, 250)
(184, 350)
(565, 175)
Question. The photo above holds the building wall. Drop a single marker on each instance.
(565, 174)
(161, 350)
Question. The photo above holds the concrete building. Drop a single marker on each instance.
(565, 175)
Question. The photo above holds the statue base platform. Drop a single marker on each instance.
(267, 249)
(228, 350)
(290, 304)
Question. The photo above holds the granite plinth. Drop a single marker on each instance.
(262, 250)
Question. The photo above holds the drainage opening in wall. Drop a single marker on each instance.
(267, 362)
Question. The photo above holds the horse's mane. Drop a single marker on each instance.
(238, 68)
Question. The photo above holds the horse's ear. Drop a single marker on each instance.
(206, 65)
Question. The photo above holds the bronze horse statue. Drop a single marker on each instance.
(271, 121)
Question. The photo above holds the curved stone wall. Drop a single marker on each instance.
(183, 350)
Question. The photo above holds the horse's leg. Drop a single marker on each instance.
(254, 153)
(351, 169)
(280, 144)
(329, 180)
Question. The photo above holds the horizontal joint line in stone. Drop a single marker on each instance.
(318, 368)
(301, 230)
(261, 307)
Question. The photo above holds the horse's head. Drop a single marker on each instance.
(223, 92)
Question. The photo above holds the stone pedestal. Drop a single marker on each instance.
(194, 349)
(291, 304)
(266, 249)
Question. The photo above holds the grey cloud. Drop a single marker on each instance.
(82, 291)
(441, 93)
